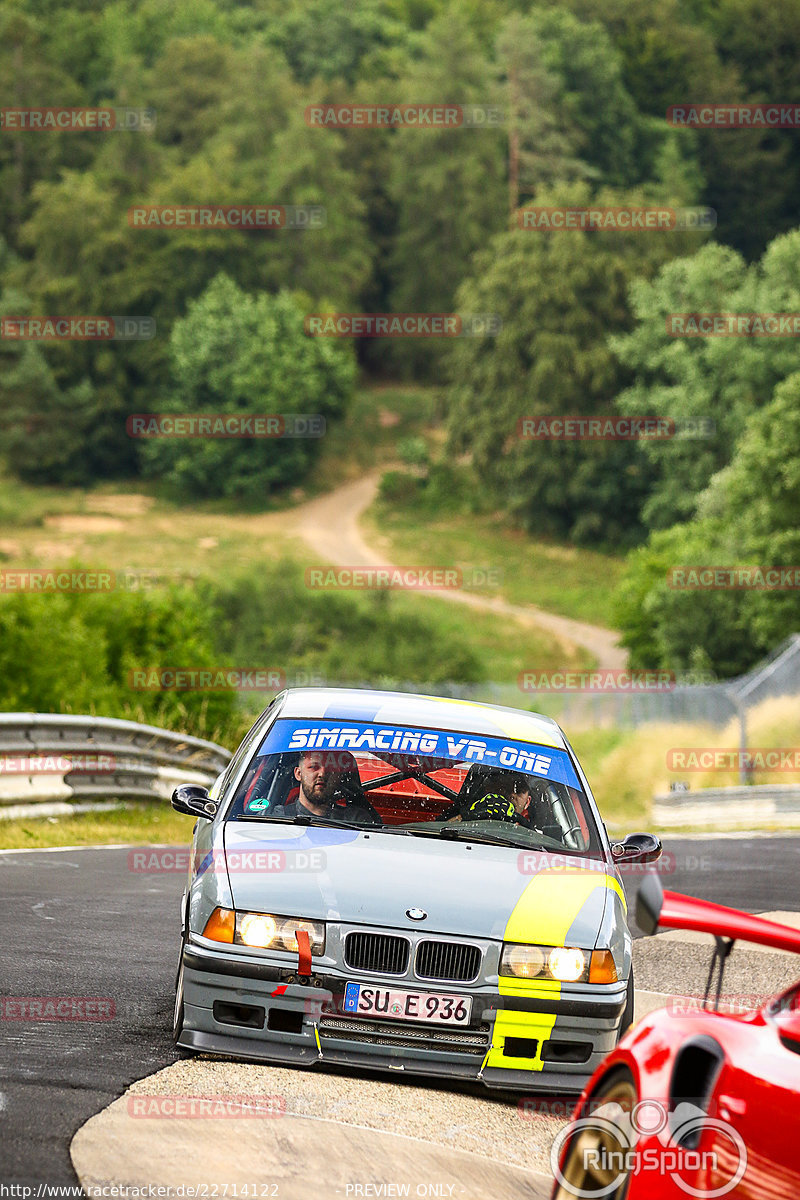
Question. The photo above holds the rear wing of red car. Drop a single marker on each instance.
(657, 909)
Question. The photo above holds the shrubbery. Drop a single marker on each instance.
(76, 652)
(242, 354)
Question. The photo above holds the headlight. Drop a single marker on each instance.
(524, 962)
(255, 929)
(566, 964)
(265, 931)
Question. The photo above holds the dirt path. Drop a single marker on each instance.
(330, 526)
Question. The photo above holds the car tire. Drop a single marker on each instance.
(627, 1015)
(577, 1175)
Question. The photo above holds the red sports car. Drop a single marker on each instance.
(703, 1103)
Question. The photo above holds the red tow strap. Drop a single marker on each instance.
(303, 952)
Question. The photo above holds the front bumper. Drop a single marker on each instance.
(241, 1008)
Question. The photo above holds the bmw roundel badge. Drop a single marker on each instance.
(416, 914)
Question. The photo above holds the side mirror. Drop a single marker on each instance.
(194, 801)
(636, 848)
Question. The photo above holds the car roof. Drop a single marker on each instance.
(429, 712)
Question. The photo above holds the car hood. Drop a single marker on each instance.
(373, 878)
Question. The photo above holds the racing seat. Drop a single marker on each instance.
(350, 796)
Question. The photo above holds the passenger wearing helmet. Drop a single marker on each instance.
(491, 807)
(509, 799)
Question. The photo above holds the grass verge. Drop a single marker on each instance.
(568, 580)
(135, 823)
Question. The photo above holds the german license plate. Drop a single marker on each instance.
(443, 1008)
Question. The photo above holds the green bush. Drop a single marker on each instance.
(77, 652)
(240, 354)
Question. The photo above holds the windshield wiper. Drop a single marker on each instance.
(332, 822)
(451, 834)
(303, 820)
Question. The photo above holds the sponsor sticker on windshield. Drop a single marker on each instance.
(467, 748)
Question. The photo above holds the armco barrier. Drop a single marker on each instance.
(752, 806)
(142, 762)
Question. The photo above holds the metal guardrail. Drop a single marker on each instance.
(751, 806)
(65, 762)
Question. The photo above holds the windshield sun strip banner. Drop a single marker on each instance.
(462, 748)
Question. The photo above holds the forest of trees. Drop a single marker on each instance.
(424, 221)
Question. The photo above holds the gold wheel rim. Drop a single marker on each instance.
(581, 1175)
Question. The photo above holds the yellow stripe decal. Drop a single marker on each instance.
(543, 915)
(538, 1026)
(550, 903)
(616, 886)
(521, 727)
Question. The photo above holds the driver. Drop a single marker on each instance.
(322, 774)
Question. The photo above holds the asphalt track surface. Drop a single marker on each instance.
(79, 923)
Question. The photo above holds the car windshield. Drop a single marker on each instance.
(421, 782)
